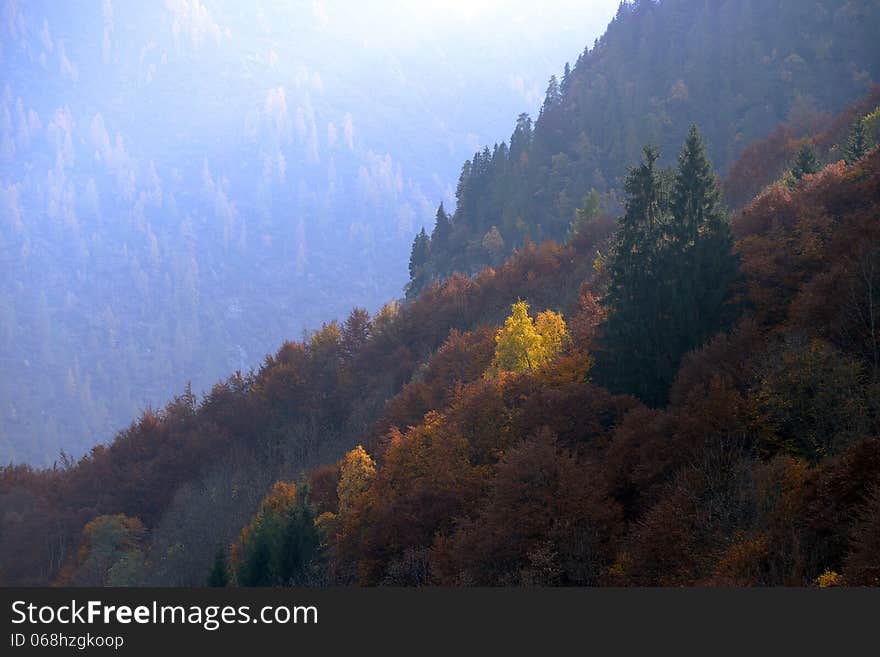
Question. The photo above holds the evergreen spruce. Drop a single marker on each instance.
(669, 275)
(553, 95)
(636, 314)
(856, 143)
(703, 261)
(442, 230)
(806, 162)
(441, 252)
(419, 255)
(566, 79)
(299, 544)
(257, 568)
(417, 260)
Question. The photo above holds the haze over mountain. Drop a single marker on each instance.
(668, 392)
(183, 185)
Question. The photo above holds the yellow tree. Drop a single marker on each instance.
(523, 345)
(385, 317)
(356, 471)
(551, 328)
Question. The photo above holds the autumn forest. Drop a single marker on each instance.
(642, 349)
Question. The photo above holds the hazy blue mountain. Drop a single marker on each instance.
(185, 184)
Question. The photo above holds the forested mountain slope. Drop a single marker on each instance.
(785, 400)
(304, 406)
(185, 184)
(737, 68)
(502, 429)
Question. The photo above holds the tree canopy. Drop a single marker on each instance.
(524, 344)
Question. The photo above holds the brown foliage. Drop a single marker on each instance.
(323, 482)
(863, 563)
(542, 522)
(764, 161)
(544, 477)
(790, 238)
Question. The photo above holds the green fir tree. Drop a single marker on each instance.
(856, 143)
(806, 162)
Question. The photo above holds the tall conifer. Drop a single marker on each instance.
(856, 143)
(703, 261)
(806, 161)
(669, 274)
(634, 296)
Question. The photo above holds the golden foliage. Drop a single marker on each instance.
(357, 470)
(525, 345)
(386, 316)
(829, 579)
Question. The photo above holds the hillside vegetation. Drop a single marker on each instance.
(668, 394)
(737, 68)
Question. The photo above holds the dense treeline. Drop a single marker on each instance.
(513, 474)
(763, 470)
(738, 68)
(194, 472)
(670, 273)
(673, 397)
(771, 158)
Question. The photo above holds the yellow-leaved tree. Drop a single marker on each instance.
(356, 471)
(523, 344)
